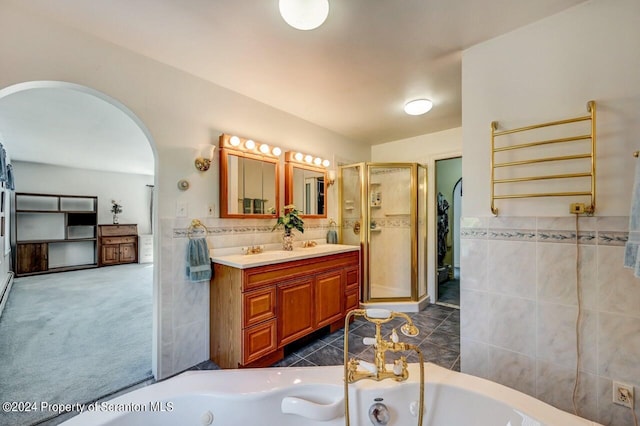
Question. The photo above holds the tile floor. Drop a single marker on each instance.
(439, 341)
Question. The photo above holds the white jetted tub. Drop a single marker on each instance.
(310, 396)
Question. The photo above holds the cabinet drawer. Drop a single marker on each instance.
(352, 278)
(258, 341)
(118, 240)
(259, 306)
(351, 300)
(115, 230)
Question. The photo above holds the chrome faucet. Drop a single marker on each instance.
(378, 369)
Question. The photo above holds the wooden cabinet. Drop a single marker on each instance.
(118, 244)
(256, 312)
(54, 233)
(32, 258)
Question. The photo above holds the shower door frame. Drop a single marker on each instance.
(365, 228)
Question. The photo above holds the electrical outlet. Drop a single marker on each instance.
(623, 394)
(210, 210)
(577, 208)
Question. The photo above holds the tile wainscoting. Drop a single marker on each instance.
(184, 306)
(519, 304)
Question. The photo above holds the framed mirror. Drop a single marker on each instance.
(305, 186)
(249, 178)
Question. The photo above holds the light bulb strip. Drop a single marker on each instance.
(307, 159)
(249, 145)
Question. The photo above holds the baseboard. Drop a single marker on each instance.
(6, 288)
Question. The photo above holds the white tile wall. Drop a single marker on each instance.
(184, 305)
(519, 309)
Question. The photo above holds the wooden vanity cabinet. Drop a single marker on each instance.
(118, 244)
(256, 312)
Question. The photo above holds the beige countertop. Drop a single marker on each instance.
(269, 257)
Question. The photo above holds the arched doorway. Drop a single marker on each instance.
(78, 101)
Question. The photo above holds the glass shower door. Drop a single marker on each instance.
(391, 254)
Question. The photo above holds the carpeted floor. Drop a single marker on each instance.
(73, 337)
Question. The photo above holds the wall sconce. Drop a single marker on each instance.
(331, 177)
(205, 156)
(249, 145)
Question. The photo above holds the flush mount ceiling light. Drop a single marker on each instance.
(418, 106)
(304, 14)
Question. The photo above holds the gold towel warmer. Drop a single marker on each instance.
(195, 224)
(591, 108)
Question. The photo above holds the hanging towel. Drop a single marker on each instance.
(332, 236)
(198, 262)
(631, 259)
(3, 164)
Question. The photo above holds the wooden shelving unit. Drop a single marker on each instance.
(55, 233)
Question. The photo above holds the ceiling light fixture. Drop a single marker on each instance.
(304, 14)
(418, 106)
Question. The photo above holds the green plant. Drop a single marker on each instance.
(289, 220)
(115, 207)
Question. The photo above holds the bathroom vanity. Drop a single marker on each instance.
(260, 303)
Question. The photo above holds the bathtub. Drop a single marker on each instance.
(310, 396)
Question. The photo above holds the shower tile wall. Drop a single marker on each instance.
(519, 307)
(184, 323)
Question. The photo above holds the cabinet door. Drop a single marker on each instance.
(329, 291)
(128, 253)
(258, 306)
(295, 310)
(351, 300)
(32, 258)
(258, 341)
(110, 254)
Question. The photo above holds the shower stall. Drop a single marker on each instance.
(383, 208)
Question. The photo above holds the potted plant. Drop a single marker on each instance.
(289, 221)
(116, 209)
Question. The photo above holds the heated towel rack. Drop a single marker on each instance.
(515, 173)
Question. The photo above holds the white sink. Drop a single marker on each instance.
(243, 261)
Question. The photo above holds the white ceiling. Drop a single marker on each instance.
(352, 75)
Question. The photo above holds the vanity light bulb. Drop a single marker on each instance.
(308, 158)
(326, 163)
(264, 148)
(276, 151)
(317, 161)
(250, 144)
(234, 141)
(298, 156)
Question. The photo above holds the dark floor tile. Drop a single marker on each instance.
(367, 329)
(207, 365)
(426, 324)
(356, 344)
(449, 326)
(303, 363)
(446, 340)
(436, 354)
(311, 347)
(328, 355)
(287, 361)
(456, 365)
(455, 315)
(437, 311)
(337, 335)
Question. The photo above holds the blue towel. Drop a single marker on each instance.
(198, 262)
(631, 259)
(3, 164)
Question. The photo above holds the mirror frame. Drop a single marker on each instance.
(289, 164)
(227, 149)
